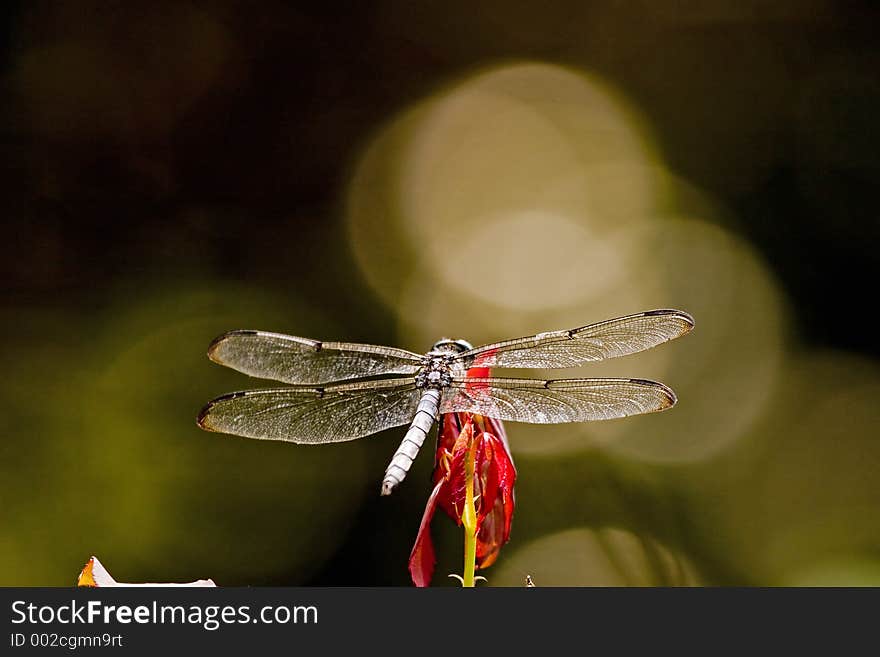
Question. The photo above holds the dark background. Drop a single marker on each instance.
(175, 170)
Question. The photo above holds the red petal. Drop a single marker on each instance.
(453, 498)
(422, 558)
(506, 480)
(450, 427)
(494, 530)
(486, 481)
(496, 428)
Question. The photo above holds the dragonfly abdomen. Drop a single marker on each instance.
(415, 436)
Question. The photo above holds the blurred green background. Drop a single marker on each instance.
(397, 172)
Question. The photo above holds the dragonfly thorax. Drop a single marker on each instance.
(436, 370)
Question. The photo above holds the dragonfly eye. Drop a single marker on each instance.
(457, 346)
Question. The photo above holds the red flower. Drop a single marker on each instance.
(494, 476)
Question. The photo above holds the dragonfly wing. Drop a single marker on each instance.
(314, 415)
(573, 347)
(303, 361)
(555, 401)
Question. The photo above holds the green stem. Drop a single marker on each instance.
(469, 520)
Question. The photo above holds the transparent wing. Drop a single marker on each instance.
(302, 361)
(573, 347)
(555, 401)
(304, 414)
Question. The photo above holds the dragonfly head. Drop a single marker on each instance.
(456, 346)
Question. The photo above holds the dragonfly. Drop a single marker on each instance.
(333, 393)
